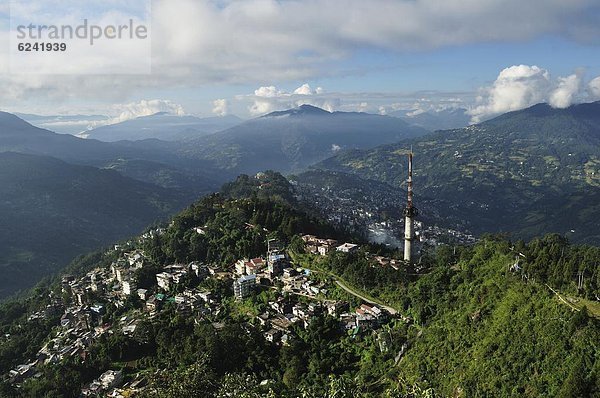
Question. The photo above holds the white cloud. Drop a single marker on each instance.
(270, 98)
(416, 112)
(305, 89)
(220, 107)
(521, 86)
(594, 88)
(564, 94)
(269, 92)
(363, 107)
(515, 88)
(261, 107)
(146, 108)
(230, 41)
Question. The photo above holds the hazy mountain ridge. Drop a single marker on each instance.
(433, 120)
(161, 157)
(162, 126)
(294, 139)
(52, 211)
(63, 124)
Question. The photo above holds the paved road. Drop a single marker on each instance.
(352, 292)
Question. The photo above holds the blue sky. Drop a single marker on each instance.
(254, 56)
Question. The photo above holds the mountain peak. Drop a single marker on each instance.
(304, 109)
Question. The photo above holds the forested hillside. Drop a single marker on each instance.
(499, 318)
(52, 211)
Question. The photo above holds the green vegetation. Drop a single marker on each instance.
(529, 173)
(489, 332)
(482, 323)
(52, 211)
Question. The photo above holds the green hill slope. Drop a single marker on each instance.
(492, 332)
(51, 211)
(475, 321)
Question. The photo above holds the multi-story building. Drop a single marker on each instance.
(243, 286)
(129, 287)
(163, 280)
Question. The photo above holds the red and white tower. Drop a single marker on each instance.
(410, 212)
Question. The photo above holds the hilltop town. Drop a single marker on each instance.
(296, 295)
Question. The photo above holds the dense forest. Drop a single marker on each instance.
(498, 318)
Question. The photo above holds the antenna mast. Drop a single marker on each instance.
(410, 212)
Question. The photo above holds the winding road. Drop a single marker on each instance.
(352, 292)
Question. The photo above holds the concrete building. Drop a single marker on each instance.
(129, 287)
(164, 280)
(347, 248)
(243, 286)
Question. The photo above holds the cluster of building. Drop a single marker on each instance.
(107, 381)
(81, 323)
(434, 235)
(322, 246)
(287, 311)
(112, 384)
(316, 245)
(298, 300)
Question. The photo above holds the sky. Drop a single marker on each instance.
(251, 57)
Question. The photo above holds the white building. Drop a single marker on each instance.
(240, 267)
(164, 280)
(243, 286)
(347, 248)
(129, 287)
(143, 294)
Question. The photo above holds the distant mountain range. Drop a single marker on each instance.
(52, 211)
(72, 207)
(527, 172)
(160, 157)
(294, 139)
(162, 126)
(63, 124)
(283, 141)
(451, 118)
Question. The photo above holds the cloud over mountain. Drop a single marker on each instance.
(267, 99)
(594, 88)
(521, 86)
(566, 90)
(123, 112)
(220, 107)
